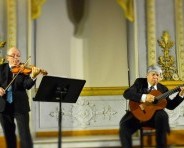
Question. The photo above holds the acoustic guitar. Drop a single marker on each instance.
(144, 111)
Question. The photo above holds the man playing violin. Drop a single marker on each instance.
(16, 101)
(139, 92)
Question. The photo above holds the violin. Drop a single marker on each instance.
(25, 69)
(22, 68)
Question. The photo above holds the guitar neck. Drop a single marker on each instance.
(168, 93)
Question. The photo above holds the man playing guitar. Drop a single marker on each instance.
(147, 99)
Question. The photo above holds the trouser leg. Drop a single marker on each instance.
(162, 127)
(8, 126)
(24, 130)
(127, 128)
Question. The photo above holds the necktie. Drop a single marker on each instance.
(9, 90)
(9, 95)
(150, 89)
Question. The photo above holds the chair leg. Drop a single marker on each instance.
(141, 138)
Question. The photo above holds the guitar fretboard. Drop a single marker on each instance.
(168, 93)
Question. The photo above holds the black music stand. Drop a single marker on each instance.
(57, 89)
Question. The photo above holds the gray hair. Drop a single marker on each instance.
(154, 68)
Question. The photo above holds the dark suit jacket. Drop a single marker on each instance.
(140, 87)
(19, 86)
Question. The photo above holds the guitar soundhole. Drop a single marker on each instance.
(155, 102)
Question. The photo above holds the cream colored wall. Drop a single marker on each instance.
(105, 50)
(98, 54)
(53, 35)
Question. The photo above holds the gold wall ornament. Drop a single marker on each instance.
(36, 6)
(179, 16)
(128, 8)
(11, 23)
(151, 31)
(167, 61)
(2, 44)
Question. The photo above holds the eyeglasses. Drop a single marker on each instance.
(14, 56)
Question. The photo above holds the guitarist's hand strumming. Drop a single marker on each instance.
(150, 98)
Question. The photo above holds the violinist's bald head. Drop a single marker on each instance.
(13, 50)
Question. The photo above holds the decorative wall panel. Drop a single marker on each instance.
(90, 112)
(176, 116)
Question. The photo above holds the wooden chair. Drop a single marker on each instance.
(149, 132)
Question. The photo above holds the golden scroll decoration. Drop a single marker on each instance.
(167, 61)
